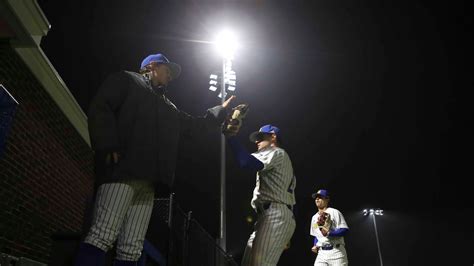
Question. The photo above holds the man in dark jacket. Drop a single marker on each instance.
(134, 130)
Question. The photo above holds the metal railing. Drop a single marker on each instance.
(189, 244)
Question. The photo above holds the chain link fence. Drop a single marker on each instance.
(188, 243)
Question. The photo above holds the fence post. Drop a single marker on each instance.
(169, 256)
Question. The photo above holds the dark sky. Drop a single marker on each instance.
(371, 97)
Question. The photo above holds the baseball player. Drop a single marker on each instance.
(134, 130)
(328, 228)
(273, 196)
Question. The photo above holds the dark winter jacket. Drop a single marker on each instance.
(130, 117)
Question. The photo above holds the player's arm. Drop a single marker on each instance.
(341, 226)
(244, 159)
(212, 119)
(312, 232)
(315, 241)
(315, 248)
(102, 122)
(338, 232)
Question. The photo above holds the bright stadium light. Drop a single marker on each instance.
(226, 44)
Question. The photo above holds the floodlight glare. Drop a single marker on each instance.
(213, 82)
(226, 44)
(231, 88)
(213, 76)
(212, 88)
(372, 212)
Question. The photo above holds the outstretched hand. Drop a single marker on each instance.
(227, 102)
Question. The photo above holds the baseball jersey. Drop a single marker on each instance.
(338, 221)
(276, 181)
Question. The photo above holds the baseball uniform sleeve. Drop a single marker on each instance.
(339, 232)
(243, 158)
(315, 241)
(313, 227)
(270, 159)
(212, 119)
(339, 220)
(102, 120)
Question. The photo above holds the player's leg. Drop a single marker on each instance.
(112, 201)
(135, 225)
(283, 228)
(322, 258)
(338, 257)
(338, 262)
(320, 263)
(248, 251)
(272, 234)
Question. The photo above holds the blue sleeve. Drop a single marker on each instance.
(339, 232)
(315, 241)
(243, 158)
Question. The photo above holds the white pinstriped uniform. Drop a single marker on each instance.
(122, 212)
(275, 184)
(338, 255)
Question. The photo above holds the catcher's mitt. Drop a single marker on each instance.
(324, 223)
(234, 121)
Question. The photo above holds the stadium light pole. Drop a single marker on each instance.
(226, 45)
(373, 213)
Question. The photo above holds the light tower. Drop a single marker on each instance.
(373, 213)
(226, 45)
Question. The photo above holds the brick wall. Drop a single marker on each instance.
(46, 171)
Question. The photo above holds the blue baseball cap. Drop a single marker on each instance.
(322, 193)
(266, 129)
(161, 59)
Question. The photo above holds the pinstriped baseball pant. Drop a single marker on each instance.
(122, 212)
(273, 230)
(333, 257)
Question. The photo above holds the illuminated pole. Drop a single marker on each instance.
(222, 217)
(373, 213)
(226, 45)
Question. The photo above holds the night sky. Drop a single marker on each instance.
(371, 98)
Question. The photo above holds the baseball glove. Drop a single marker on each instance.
(324, 223)
(234, 121)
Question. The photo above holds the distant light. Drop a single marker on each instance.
(226, 44)
(372, 212)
